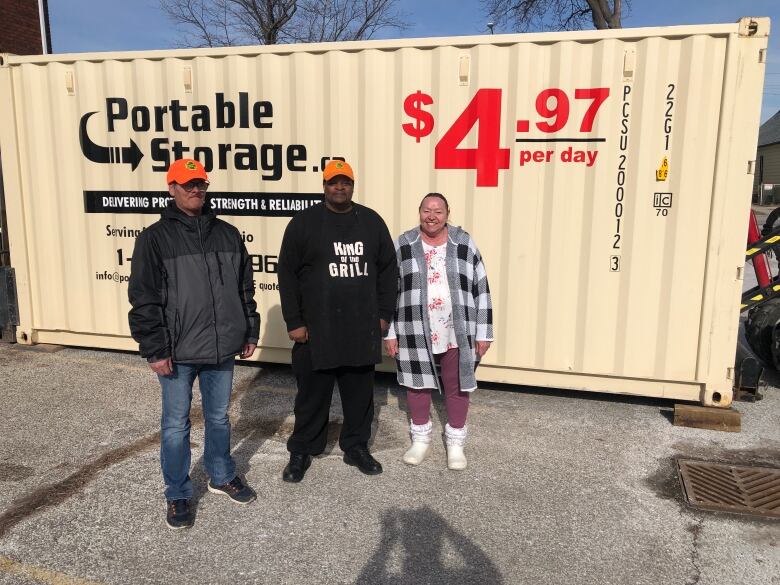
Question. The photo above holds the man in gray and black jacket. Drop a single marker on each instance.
(193, 311)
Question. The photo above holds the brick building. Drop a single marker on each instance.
(24, 30)
(24, 27)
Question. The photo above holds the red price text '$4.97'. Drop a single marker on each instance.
(553, 105)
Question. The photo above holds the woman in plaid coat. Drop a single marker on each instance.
(443, 318)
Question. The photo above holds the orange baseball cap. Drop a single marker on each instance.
(337, 167)
(185, 170)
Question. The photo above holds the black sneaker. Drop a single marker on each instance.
(178, 515)
(235, 490)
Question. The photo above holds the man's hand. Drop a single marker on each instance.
(163, 367)
(299, 335)
(391, 347)
(249, 349)
(482, 347)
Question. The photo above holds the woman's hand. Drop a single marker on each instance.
(482, 347)
(391, 347)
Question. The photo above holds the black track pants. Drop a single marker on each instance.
(312, 404)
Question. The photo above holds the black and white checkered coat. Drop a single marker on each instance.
(472, 312)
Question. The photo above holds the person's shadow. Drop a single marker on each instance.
(263, 414)
(260, 410)
(391, 431)
(418, 546)
(263, 408)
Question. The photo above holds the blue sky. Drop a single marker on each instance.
(91, 25)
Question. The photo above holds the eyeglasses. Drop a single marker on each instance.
(196, 185)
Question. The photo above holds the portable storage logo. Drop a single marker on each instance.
(269, 161)
(107, 154)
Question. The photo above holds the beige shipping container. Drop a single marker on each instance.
(605, 175)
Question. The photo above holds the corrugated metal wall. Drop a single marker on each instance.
(597, 267)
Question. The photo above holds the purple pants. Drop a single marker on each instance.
(455, 401)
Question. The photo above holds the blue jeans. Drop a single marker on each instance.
(216, 382)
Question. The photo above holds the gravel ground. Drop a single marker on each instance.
(561, 488)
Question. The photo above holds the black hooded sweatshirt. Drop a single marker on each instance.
(338, 276)
(191, 290)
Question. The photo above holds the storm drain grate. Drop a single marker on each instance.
(731, 488)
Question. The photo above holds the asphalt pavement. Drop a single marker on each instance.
(561, 488)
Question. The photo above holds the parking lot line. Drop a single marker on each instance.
(12, 567)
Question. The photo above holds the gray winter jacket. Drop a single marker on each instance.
(191, 290)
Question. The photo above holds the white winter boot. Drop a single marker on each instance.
(421, 443)
(455, 439)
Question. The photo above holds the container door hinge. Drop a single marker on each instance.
(70, 83)
(464, 69)
(187, 79)
(629, 64)
(762, 55)
(740, 273)
(751, 167)
(729, 373)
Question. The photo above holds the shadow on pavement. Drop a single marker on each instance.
(389, 431)
(264, 411)
(260, 415)
(418, 546)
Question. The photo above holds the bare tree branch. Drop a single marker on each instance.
(214, 23)
(525, 15)
(202, 21)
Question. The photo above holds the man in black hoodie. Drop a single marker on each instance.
(193, 311)
(338, 281)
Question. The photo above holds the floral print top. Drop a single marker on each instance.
(439, 300)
